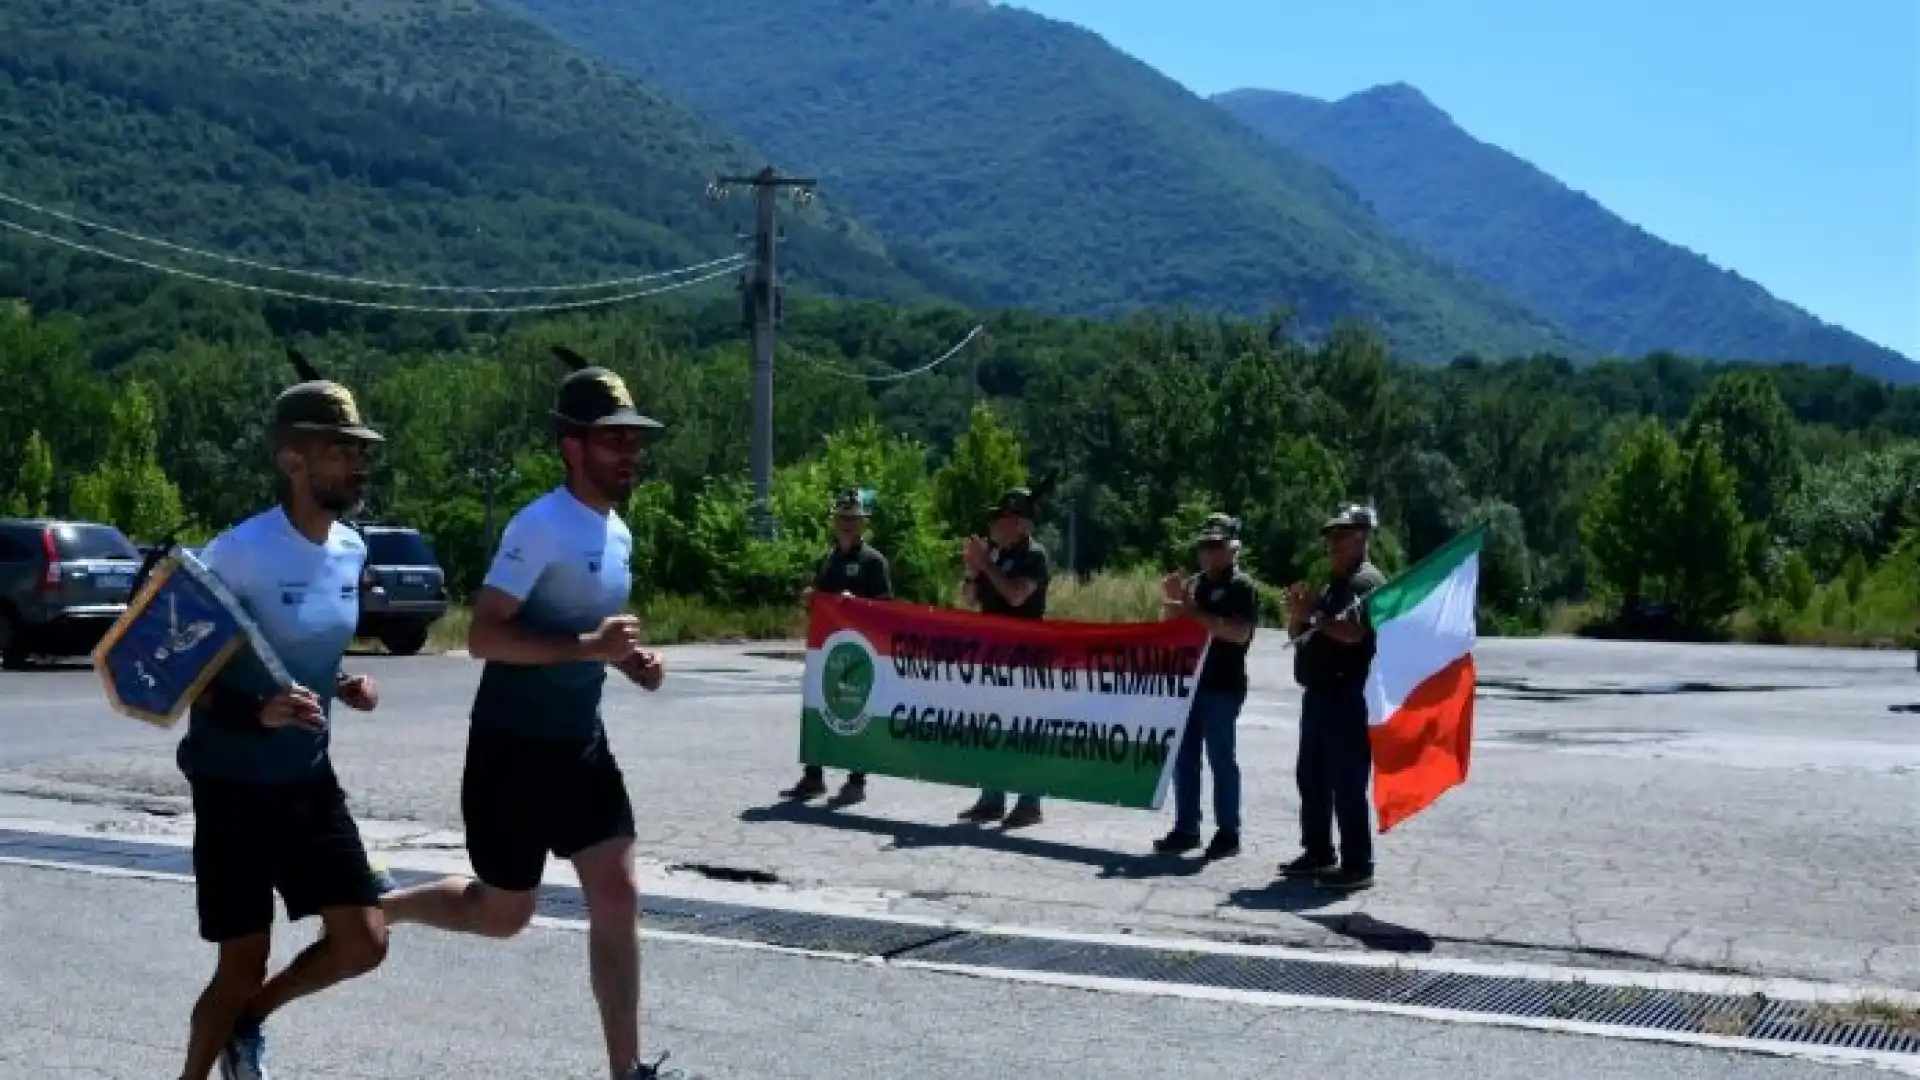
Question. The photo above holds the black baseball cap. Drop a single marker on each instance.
(1219, 528)
(320, 407)
(595, 397)
(1017, 501)
(1350, 516)
(848, 503)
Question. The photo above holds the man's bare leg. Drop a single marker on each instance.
(353, 941)
(461, 905)
(237, 978)
(612, 893)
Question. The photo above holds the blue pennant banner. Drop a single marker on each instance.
(176, 635)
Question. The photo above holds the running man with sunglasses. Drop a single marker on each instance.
(540, 777)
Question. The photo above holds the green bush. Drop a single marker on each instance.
(725, 563)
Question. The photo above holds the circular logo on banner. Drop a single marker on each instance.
(846, 682)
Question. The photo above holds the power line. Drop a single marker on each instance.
(730, 263)
(346, 279)
(895, 376)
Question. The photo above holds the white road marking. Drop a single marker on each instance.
(1901, 1064)
(657, 880)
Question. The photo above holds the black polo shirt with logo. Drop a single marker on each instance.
(1229, 596)
(1024, 561)
(862, 572)
(1321, 663)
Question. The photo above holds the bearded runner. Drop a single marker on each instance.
(1421, 688)
(1087, 712)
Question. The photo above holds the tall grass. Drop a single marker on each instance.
(1831, 618)
(1877, 619)
(1122, 596)
(1874, 614)
(665, 620)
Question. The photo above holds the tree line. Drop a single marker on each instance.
(1654, 496)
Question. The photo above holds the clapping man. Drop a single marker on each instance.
(1222, 598)
(1007, 575)
(1331, 665)
(852, 568)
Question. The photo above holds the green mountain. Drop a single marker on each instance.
(1034, 157)
(433, 141)
(1505, 221)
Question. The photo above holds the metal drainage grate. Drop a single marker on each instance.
(1664, 1010)
(1851, 1027)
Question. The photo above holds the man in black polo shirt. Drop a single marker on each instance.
(1007, 576)
(853, 567)
(1223, 599)
(1336, 756)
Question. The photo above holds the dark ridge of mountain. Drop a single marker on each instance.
(437, 141)
(1609, 282)
(1032, 156)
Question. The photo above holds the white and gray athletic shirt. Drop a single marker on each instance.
(569, 566)
(305, 597)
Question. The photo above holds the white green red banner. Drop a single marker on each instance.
(1079, 711)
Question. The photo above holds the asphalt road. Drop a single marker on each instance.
(1723, 808)
(97, 975)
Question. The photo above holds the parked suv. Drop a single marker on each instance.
(404, 591)
(62, 584)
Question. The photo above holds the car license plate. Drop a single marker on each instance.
(115, 581)
(413, 579)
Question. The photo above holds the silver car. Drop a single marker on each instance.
(62, 584)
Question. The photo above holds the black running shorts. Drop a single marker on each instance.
(253, 840)
(524, 798)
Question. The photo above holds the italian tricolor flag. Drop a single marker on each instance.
(1420, 690)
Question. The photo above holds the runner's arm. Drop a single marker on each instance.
(494, 633)
(365, 585)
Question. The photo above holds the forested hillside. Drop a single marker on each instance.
(440, 140)
(1034, 157)
(1609, 282)
(436, 141)
(1761, 501)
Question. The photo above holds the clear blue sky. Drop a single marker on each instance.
(1779, 138)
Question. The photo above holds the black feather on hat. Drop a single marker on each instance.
(302, 366)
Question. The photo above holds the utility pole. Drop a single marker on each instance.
(1073, 538)
(491, 476)
(762, 316)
